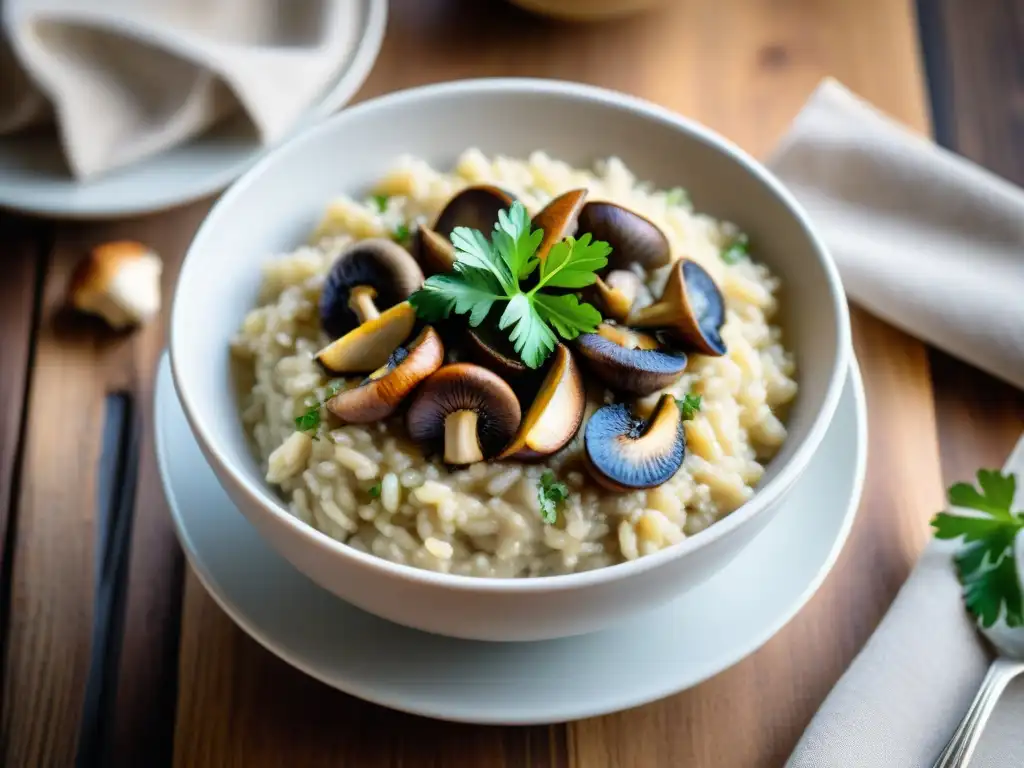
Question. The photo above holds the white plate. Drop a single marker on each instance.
(685, 642)
(34, 178)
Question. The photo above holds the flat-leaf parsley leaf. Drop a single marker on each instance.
(689, 405)
(550, 493)
(736, 249)
(487, 272)
(309, 420)
(986, 564)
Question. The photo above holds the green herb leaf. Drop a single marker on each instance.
(573, 263)
(471, 291)
(566, 314)
(986, 565)
(514, 241)
(374, 491)
(381, 202)
(689, 405)
(530, 336)
(736, 250)
(401, 233)
(486, 272)
(473, 251)
(550, 493)
(310, 420)
(677, 196)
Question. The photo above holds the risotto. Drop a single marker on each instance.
(548, 504)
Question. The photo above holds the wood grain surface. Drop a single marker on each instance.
(191, 689)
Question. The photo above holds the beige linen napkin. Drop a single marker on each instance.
(126, 79)
(923, 238)
(935, 245)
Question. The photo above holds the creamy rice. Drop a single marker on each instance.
(484, 520)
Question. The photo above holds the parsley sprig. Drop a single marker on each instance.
(689, 404)
(986, 564)
(309, 420)
(736, 250)
(550, 493)
(488, 272)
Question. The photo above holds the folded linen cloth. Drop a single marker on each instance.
(923, 238)
(935, 245)
(127, 79)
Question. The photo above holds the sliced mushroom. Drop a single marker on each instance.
(436, 253)
(558, 219)
(617, 292)
(378, 264)
(476, 207)
(465, 411)
(370, 344)
(379, 394)
(493, 350)
(628, 361)
(691, 308)
(632, 237)
(555, 414)
(624, 452)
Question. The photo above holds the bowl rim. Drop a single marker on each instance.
(763, 497)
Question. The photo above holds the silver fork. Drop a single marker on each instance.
(965, 740)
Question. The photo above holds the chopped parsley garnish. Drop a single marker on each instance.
(550, 493)
(689, 405)
(401, 233)
(381, 201)
(375, 491)
(677, 196)
(986, 564)
(309, 420)
(487, 272)
(736, 250)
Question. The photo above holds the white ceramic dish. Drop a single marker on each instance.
(276, 205)
(33, 177)
(674, 647)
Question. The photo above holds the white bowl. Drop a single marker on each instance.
(275, 205)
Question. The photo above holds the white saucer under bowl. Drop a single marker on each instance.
(35, 180)
(681, 644)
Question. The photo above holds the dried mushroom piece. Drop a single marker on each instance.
(120, 282)
(476, 207)
(558, 219)
(617, 292)
(370, 345)
(465, 411)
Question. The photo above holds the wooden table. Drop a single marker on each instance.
(192, 689)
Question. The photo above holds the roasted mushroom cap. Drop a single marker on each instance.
(379, 394)
(628, 361)
(476, 207)
(466, 411)
(376, 263)
(617, 292)
(493, 350)
(558, 219)
(369, 345)
(555, 414)
(624, 452)
(632, 237)
(691, 308)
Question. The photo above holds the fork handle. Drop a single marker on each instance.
(965, 739)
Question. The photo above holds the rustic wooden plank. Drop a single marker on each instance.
(21, 250)
(744, 67)
(973, 54)
(78, 363)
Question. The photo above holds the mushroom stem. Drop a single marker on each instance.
(461, 443)
(360, 301)
(658, 315)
